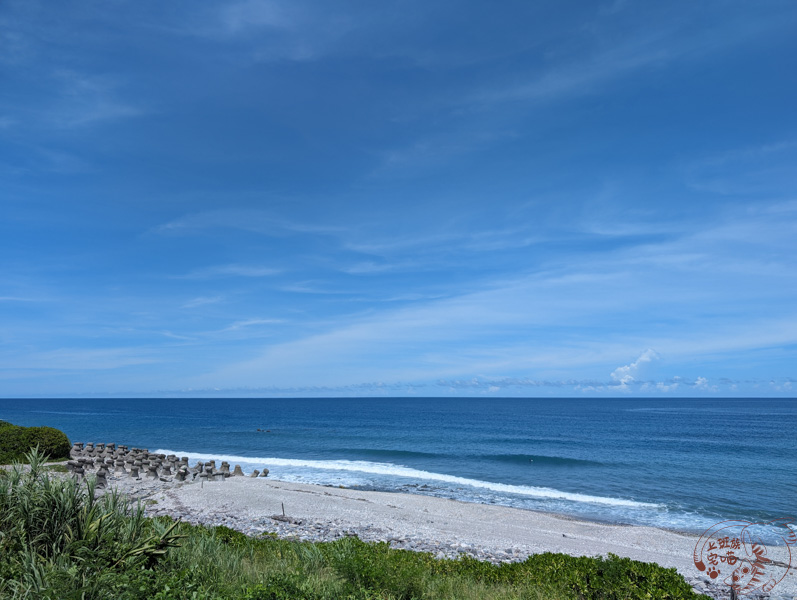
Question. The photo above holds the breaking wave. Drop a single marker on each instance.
(394, 471)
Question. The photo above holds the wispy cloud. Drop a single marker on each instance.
(257, 221)
(752, 170)
(87, 100)
(231, 270)
(612, 55)
(579, 78)
(421, 251)
(363, 197)
(386, 245)
(599, 56)
(312, 287)
(243, 15)
(533, 322)
(203, 301)
(176, 336)
(81, 359)
(430, 151)
(251, 323)
(295, 32)
(368, 268)
(488, 121)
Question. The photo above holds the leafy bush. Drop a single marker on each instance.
(280, 586)
(588, 577)
(230, 536)
(16, 441)
(401, 573)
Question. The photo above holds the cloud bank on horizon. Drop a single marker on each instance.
(430, 198)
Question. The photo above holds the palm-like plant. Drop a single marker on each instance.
(56, 527)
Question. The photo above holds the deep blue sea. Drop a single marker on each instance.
(681, 464)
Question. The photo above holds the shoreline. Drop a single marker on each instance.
(446, 528)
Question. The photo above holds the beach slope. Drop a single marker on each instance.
(443, 527)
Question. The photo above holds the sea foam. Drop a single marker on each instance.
(392, 470)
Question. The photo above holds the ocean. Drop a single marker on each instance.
(681, 464)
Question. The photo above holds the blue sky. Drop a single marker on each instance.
(428, 198)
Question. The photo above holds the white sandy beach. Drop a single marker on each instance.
(426, 523)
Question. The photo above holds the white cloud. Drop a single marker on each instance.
(666, 387)
(629, 373)
(702, 383)
(781, 387)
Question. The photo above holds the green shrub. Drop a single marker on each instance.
(16, 441)
(587, 577)
(280, 586)
(230, 536)
(400, 573)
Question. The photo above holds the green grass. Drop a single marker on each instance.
(57, 541)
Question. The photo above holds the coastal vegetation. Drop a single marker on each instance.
(59, 540)
(16, 441)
